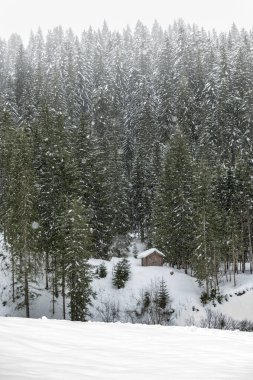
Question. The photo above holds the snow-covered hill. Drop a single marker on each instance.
(183, 289)
(49, 349)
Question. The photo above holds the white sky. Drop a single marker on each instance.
(22, 16)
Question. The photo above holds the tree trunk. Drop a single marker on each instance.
(234, 261)
(53, 296)
(63, 295)
(47, 269)
(243, 261)
(250, 245)
(13, 278)
(27, 305)
(205, 255)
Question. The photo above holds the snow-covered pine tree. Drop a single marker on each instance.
(173, 218)
(76, 250)
(207, 257)
(121, 273)
(19, 219)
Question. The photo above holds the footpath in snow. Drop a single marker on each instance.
(49, 349)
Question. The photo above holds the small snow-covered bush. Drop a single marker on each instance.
(153, 306)
(101, 270)
(245, 325)
(119, 247)
(108, 311)
(204, 298)
(213, 297)
(135, 251)
(216, 320)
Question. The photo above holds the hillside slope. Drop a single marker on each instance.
(183, 289)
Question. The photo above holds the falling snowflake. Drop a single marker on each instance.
(35, 225)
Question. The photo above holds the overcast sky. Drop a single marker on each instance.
(22, 16)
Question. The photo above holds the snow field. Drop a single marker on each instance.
(49, 349)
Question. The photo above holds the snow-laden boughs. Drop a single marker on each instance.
(173, 220)
(121, 273)
(151, 131)
(74, 253)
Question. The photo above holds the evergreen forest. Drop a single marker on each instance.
(145, 132)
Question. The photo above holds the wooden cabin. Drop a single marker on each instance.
(151, 257)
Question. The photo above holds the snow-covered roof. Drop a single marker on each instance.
(148, 252)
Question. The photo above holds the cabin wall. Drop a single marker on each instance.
(152, 260)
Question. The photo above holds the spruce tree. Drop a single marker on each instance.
(173, 219)
(121, 273)
(208, 250)
(76, 251)
(20, 212)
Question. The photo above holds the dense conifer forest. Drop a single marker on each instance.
(146, 132)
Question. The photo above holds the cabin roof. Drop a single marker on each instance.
(148, 252)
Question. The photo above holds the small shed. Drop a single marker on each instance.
(151, 257)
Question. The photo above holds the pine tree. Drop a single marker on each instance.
(102, 270)
(135, 251)
(77, 249)
(92, 185)
(55, 178)
(243, 204)
(165, 90)
(121, 273)
(163, 295)
(207, 255)
(118, 195)
(173, 221)
(20, 210)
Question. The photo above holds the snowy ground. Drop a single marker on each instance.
(240, 298)
(49, 349)
(183, 289)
